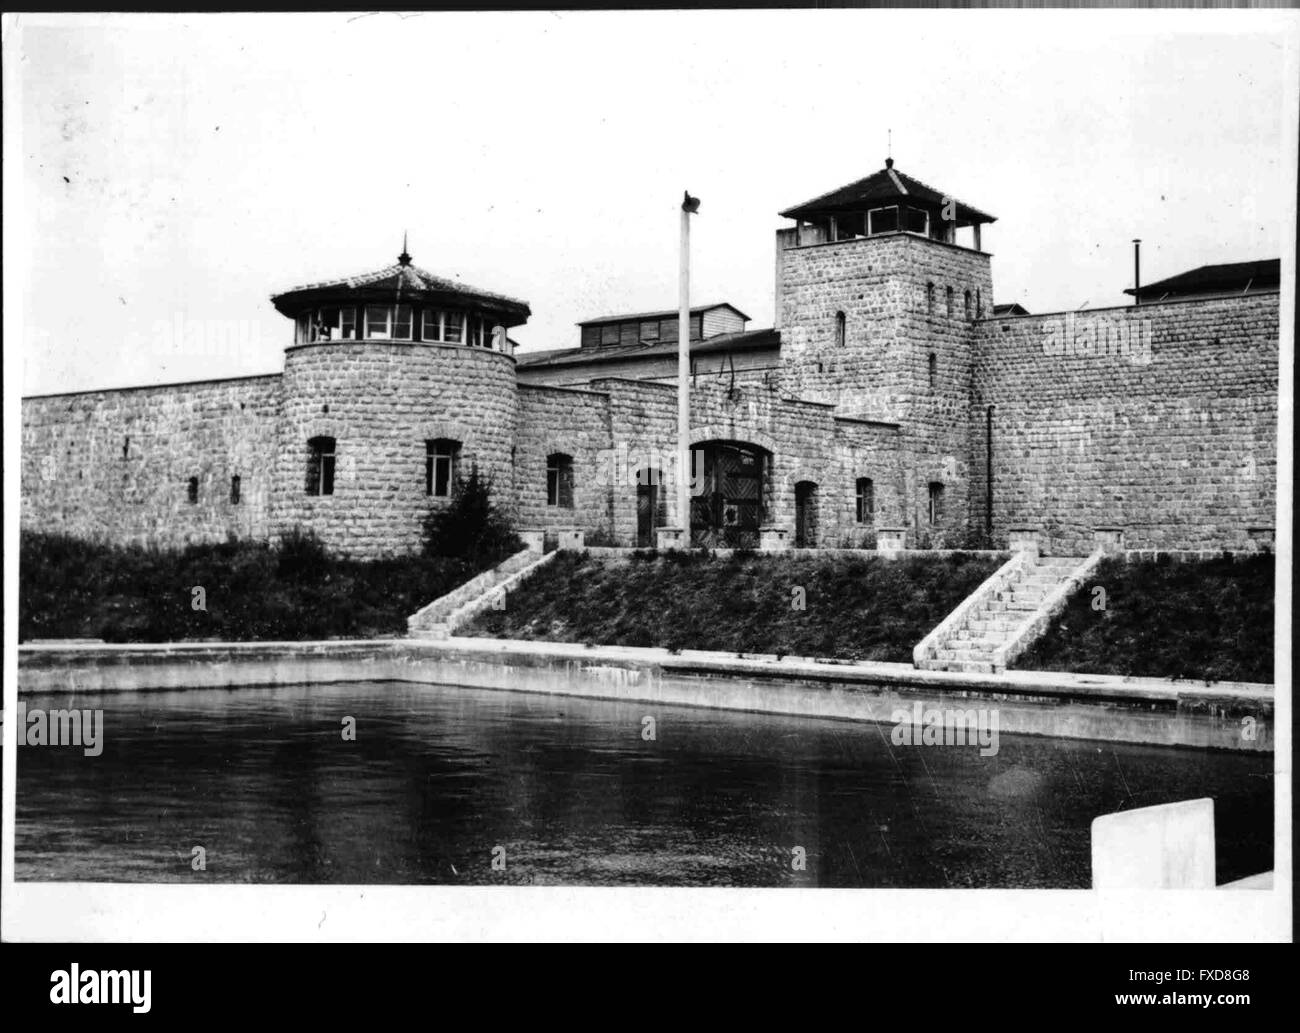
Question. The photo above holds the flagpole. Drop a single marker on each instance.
(683, 380)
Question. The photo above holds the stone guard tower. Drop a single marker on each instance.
(397, 382)
(880, 285)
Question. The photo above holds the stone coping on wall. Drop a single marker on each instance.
(523, 386)
(157, 387)
(1098, 707)
(1130, 308)
(376, 342)
(893, 235)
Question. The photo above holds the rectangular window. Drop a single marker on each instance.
(402, 323)
(327, 325)
(192, 492)
(320, 466)
(377, 322)
(916, 221)
(451, 327)
(650, 332)
(432, 329)
(850, 224)
(348, 324)
(234, 490)
(302, 330)
(936, 502)
(609, 334)
(866, 500)
(884, 220)
(559, 481)
(440, 467)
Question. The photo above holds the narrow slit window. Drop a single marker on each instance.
(841, 326)
(929, 299)
(236, 492)
(949, 299)
(934, 368)
(968, 304)
(866, 493)
(192, 491)
(936, 502)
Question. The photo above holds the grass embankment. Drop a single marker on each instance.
(252, 591)
(1210, 620)
(854, 609)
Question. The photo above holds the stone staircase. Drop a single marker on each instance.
(443, 616)
(1005, 615)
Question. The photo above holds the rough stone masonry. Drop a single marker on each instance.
(873, 406)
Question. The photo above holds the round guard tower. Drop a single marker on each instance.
(397, 382)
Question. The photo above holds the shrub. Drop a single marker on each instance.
(470, 527)
(301, 556)
(602, 538)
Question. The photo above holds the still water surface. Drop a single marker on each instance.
(438, 777)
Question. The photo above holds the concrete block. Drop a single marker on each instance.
(570, 538)
(891, 540)
(1169, 846)
(670, 538)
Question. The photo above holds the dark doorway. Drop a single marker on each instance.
(805, 515)
(651, 506)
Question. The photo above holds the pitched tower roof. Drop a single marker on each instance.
(401, 282)
(884, 187)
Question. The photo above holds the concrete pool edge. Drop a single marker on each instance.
(1231, 716)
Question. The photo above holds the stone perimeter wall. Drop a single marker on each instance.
(1159, 420)
(115, 465)
(1156, 421)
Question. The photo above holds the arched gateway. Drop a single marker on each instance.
(728, 485)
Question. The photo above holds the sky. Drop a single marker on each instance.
(172, 172)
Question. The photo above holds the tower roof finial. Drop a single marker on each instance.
(403, 258)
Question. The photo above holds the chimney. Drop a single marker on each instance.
(1137, 270)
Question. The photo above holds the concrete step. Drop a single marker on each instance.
(967, 639)
(997, 608)
(989, 626)
(964, 655)
(1037, 581)
(1022, 594)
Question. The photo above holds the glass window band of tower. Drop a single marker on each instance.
(398, 322)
